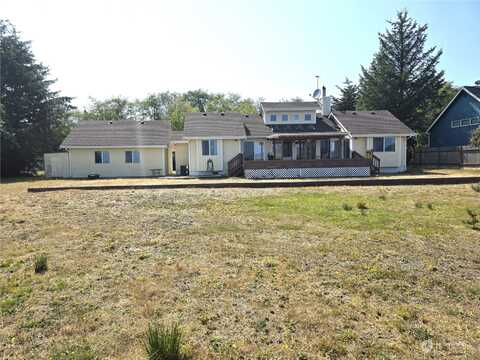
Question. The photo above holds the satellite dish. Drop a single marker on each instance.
(316, 93)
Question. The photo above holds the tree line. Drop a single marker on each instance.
(167, 105)
(403, 77)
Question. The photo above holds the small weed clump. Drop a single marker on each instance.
(383, 197)
(347, 207)
(40, 264)
(430, 206)
(164, 343)
(476, 187)
(362, 207)
(473, 221)
(74, 352)
(418, 204)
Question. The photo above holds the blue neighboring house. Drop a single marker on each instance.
(455, 124)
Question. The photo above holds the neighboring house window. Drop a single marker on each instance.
(102, 157)
(209, 147)
(390, 144)
(308, 117)
(273, 117)
(286, 149)
(378, 144)
(455, 123)
(384, 144)
(132, 157)
(285, 117)
(466, 122)
(296, 117)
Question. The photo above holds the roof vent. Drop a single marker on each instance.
(372, 112)
(142, 122)
(110, 122)
(246, 115)
(222, 114)
(204, 114)
(354, 113)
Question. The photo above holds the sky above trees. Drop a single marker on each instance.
(269, 49)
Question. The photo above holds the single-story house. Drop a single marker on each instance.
(455, 124)
(289, 140)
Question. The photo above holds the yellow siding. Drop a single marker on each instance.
(198, 162)
(181, 156)
(82, 163)
(231, 148)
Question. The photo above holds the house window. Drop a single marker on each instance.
(258, 150)
(476, 120)
(209, 147)
(273, 117)
(248, 150)
(102, 157)
(335, 149)
(384, 144)
(455, 123)
(132, 157)
(378, 144)
(308, 117)
(325, 149)
(389, 144)
(286, 149)
(296, 117)
(285, 117)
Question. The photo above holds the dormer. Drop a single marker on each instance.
(287, 113)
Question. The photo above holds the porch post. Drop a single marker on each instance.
(274, 150)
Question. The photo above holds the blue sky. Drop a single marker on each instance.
(269, 49)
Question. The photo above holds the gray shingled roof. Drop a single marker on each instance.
(125, 133)
(322, 124)
(228, 124)
(371, 122)
(475, 90)
(176, 135)
(292, 105)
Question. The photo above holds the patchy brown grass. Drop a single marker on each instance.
(253, 274)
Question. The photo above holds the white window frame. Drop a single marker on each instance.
(296, 117)
(384, 142)
(273, 117)
(471, 121)
(104, 157)
(212, 145)
(133, 152)
(284, 117)
(305, 117)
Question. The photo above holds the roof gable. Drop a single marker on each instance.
(379, 122)
(224, 125)
(120, 133)
(472, 91)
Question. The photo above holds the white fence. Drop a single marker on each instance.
(56, 165)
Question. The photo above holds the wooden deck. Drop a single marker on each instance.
(296, 164)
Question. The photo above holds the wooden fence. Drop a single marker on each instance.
(450, 156)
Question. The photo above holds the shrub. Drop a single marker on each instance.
(475, 139)
(164, 343)
(362, 206)
(41, 264)
(430, 206)
(347, 207)
(473, 221)
(476, 187)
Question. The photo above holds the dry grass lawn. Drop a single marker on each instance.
(249, 274)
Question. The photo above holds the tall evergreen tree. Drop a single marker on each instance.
(348, 98)
(403, 76)
(33, 118)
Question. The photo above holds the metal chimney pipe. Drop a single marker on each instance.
(324, 91)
